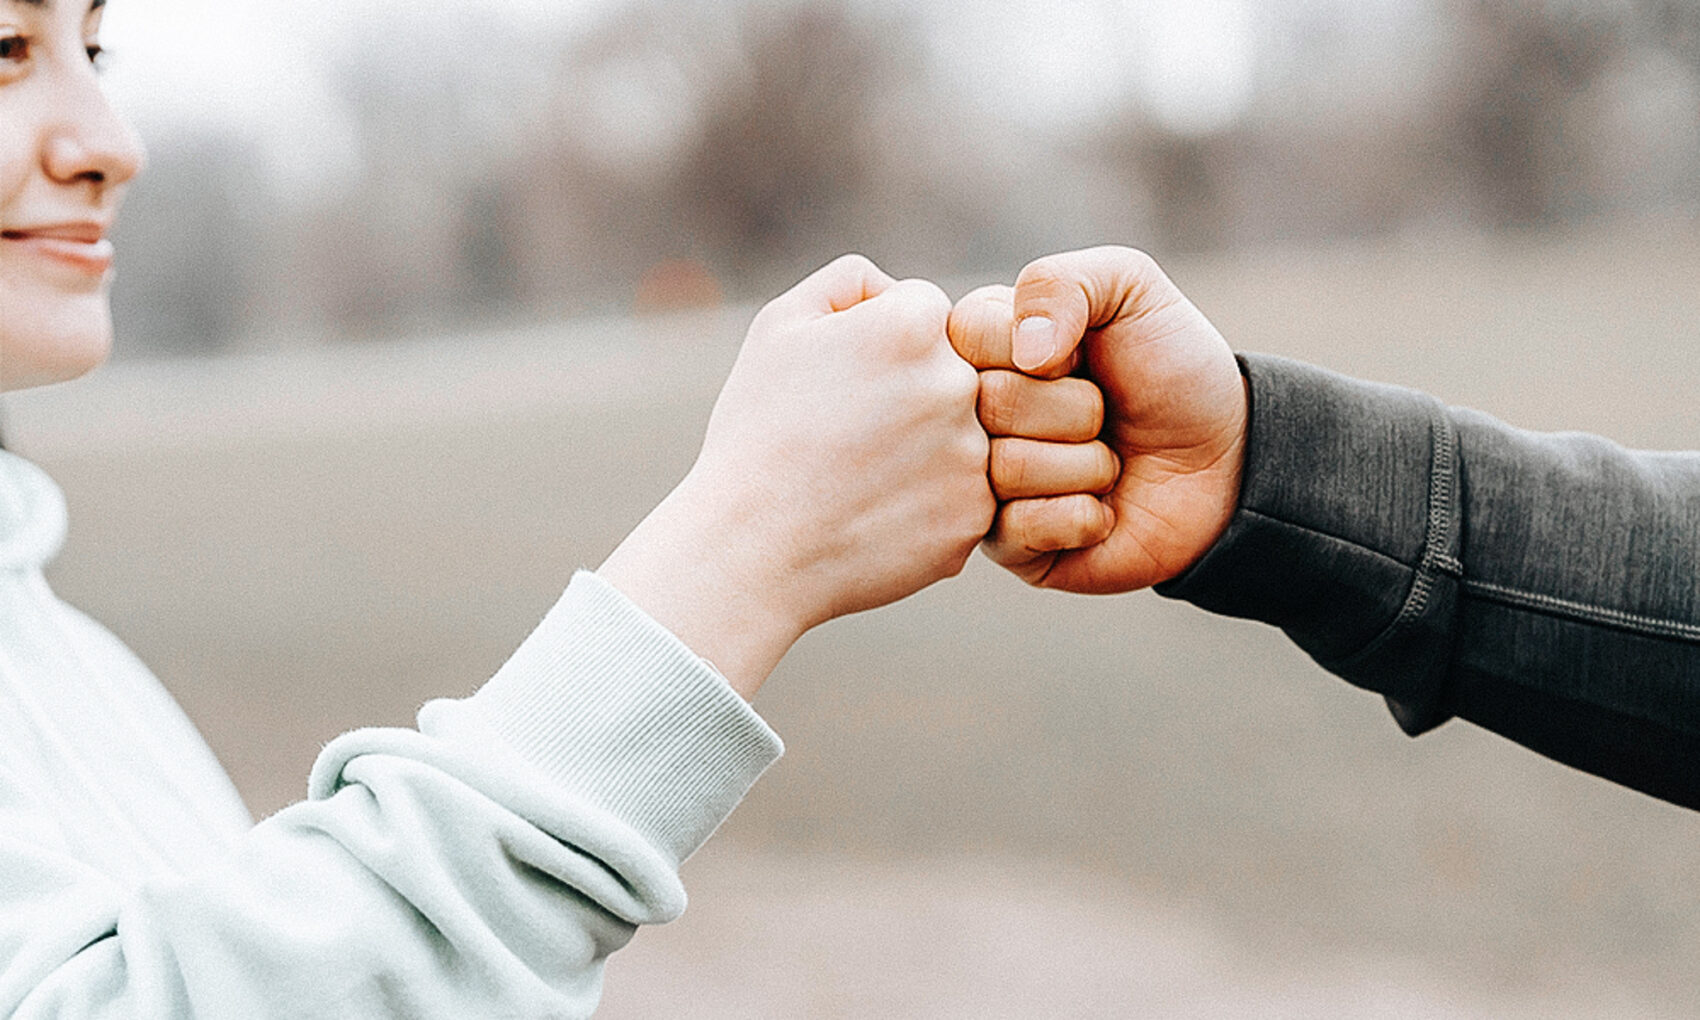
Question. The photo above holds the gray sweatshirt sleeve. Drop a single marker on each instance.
(482, 865)
(1544, 586)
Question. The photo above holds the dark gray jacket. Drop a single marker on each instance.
(1546, 587)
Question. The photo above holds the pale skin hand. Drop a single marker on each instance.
(1175, 412)
(843, 468)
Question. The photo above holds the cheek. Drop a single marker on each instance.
(17, 150)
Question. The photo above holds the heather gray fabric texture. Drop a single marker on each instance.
(1545, 586)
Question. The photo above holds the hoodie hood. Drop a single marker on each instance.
(32, 515)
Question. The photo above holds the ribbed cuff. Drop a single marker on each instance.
(618, 711)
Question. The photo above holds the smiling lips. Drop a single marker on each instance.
(81, 246)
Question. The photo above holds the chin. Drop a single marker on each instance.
(58, 347)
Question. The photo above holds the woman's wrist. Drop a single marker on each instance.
(696, 567)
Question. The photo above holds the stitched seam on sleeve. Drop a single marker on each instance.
(1437, 561)
(1441, 524)
(1582, 611)
(1437, 539)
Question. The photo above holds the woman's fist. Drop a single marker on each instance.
(843, 468)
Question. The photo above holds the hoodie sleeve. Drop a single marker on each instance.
(1544, 586)
(482, 865)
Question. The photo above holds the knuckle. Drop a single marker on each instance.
(1136, 261)
(1044, 273)
(1006, 466)
(853, 262)
(1080, 400)
(1092, 407)
(762, 320)
(1108, 466)
(1083, 517)
(770, 314)
(923, 296)
(982, 513)
(935, 294)
(969, 344)
(936, 390)
(921, 307)
(1057, 522)
(1014, 529)
(1085, 521)
(962, 380)
(948, 381)
(963, 551)
(974, 326)
(999, 400)
(932, 303)
(976, 450)
(991, 293)
(1044, 522)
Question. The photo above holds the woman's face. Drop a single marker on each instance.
(65, 158)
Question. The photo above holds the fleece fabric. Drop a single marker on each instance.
(1544, 586)
(482, 865)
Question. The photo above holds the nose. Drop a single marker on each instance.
(91, 143)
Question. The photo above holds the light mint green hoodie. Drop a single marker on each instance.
(483, 865)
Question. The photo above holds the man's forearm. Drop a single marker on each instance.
(1544, 586)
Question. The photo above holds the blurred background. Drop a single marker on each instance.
(422, 305)
(366, 169)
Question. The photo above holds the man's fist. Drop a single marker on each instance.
(1174, 421)
(1047, 463)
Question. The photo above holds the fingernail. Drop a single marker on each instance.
(1035, 342)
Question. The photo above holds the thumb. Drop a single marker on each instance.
(1059, 297)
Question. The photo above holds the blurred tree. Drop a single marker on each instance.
(671, 153)
(753, 141)
(1192, 184)
(190, 235)
(419, 239)
(1531, 61)
(789, 148)
(1674, 24)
